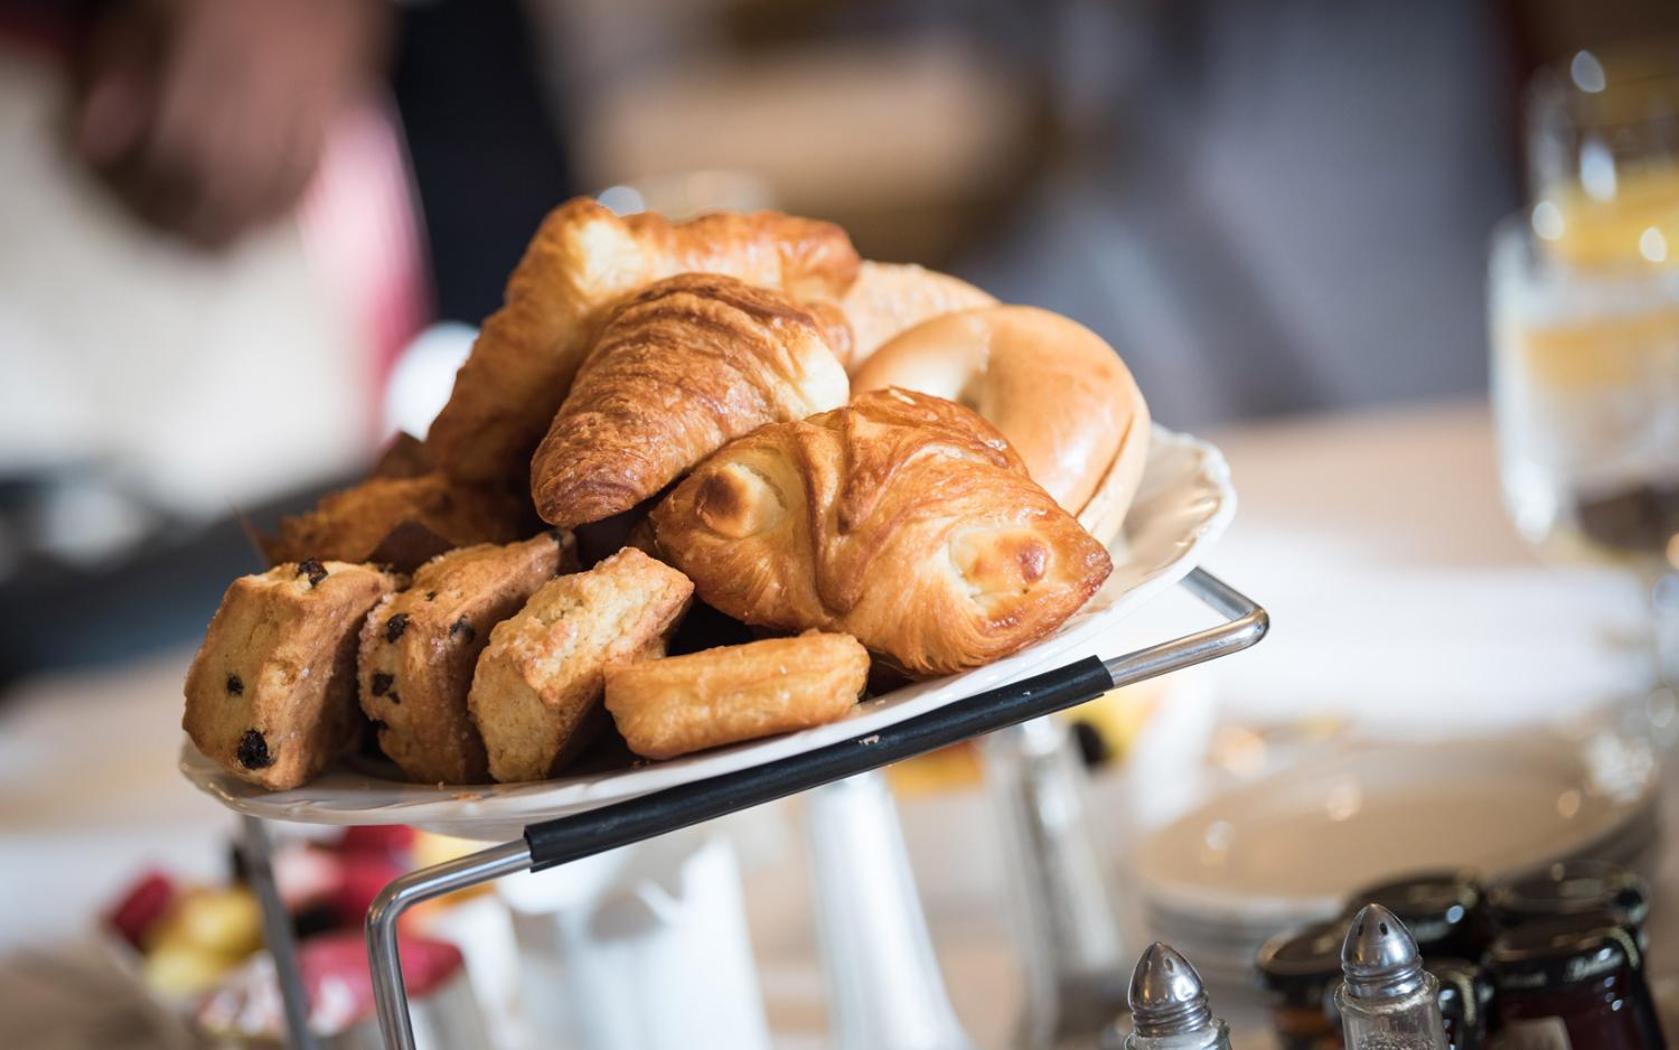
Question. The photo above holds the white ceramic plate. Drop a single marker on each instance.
(1184, 503)
(1289, 849)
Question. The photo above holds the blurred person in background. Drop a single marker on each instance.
(213, 256)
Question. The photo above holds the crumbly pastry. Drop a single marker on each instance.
(419, 648)
(670, 707)
(903, 519)
(403, 521)
(1054, 388)
(536, 694)
(271, 695)
(680, 370)
(583, 260)
(889, 298)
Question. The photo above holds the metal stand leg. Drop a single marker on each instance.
(389, 994)
(885, 991)
(277, 932)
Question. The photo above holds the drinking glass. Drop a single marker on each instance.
(1584, 313)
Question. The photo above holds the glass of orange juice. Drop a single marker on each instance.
(1584, 314)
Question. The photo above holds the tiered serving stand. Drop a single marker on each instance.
(1184, 503)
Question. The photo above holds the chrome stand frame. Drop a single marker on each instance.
(585, 834)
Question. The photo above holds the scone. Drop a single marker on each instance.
(271, 694)
(670, 707)
(402, 521)
(418, 649)
(536, 695)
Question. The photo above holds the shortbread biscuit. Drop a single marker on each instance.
(271, 694)
(418, 649)
(664, 708)
(538, 686)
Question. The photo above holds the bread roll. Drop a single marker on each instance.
(903, 519)
(889, 298)
(680, 370)
(583, 260)
(1054, 388)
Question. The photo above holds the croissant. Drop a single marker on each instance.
(680, 370)
(903, 519)
(582, 260)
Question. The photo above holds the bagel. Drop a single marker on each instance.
(1055, 389)
(889, 298)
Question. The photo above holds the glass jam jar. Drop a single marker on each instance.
(1444, 910)
(1573, 888)
(1299, 971)
(1573, 983)
(1466, 1001)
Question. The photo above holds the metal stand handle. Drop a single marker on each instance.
(585, 834)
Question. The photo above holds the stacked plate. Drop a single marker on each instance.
(1287, 850)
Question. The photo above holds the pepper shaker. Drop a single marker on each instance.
(1387, 1000)
(1169, 1008)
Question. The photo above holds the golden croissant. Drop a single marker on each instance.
(903, 519)
(679, 371)
(583, 260)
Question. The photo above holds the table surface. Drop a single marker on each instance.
(1401, 599)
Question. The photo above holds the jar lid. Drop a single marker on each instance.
(1298, 964)
(1549, 953)
(1433, 905)
(1571, 888)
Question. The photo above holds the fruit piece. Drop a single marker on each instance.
(183, 970)
(225, 921)
(364, 876)
(390, 840)
(146, 902)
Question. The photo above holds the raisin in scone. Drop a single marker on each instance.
(271, 694)
(418, 649)
(536, 695)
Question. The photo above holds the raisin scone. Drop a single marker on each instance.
(536, 695)
(418, 649)
(271, 694)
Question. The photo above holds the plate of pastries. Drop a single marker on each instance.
(705, 495)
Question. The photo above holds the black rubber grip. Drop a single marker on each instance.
(568, 838)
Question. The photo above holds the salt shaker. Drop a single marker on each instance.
(1064, 917)
(1387, 1000)
(1169, 1008)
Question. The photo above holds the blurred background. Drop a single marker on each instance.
(245, 242)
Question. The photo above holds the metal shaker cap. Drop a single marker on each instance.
(1379, 958)
(1166, 995)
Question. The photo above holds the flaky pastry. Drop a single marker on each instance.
(670, 707)
(583, 260)
(903, 519)
(679, 370)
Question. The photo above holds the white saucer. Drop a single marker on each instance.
(1287, 850)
